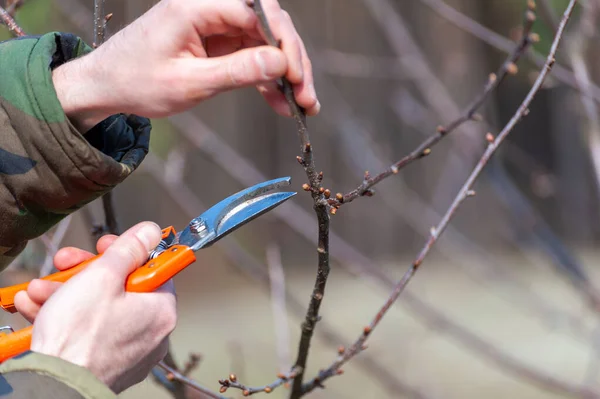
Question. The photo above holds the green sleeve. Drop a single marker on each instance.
(47, 168)
(33, 375)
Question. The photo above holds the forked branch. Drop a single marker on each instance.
(509, 67)
(465, 192)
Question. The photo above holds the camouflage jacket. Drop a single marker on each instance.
(48, 170)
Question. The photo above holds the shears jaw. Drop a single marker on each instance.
(233, 212)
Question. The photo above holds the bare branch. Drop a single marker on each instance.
(99, 23)
(508, 68)
(280, 317)
(501, 43)
(320, 207)
(232, 382)
(10, 23)
(175, 375)
(464, 193)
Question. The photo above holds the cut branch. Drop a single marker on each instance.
(465, 192)
(424, 149)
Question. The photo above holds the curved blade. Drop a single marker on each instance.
(233, 212)
(246, 212)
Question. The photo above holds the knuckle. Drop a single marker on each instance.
(169, 321)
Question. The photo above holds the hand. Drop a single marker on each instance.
(182, 52)
(93, 322)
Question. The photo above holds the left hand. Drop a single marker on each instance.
(39, 291)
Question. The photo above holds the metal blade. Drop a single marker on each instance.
(250, 210)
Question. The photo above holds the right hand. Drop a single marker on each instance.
(182, 52)
(93, 322)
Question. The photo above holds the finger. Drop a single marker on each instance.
(68, 257)
(248, 67)
(220, 17)
(40, 290)
(26, 307)
(291, 47)
(305, 93)
(275, 98)
(284, 31)
(129, 251)
(104, 242)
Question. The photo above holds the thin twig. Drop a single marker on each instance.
(464, 193)
(99, 23)
(174, 375)
(501, 43)
(278, 306)
(320, 207)
(232, 382)
(10, 23)
(507, 68)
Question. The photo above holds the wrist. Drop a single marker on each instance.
(81, 94)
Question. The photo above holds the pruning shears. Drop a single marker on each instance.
(174, 253)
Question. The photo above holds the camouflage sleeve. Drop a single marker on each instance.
(47, 168)
(33, 375)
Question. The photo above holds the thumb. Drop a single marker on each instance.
(130, 250)
(242, 68)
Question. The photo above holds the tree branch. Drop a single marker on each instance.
(464, 193)
(495, 79)
(99, 23)
(10, 23)
(501, 43)
(232, 382)
(174, 375)
(320, 207)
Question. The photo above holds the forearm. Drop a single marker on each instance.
(50, 169)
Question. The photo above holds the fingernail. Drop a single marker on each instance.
(270, 63)
(317, 107)
(312, 92)
(149, 234)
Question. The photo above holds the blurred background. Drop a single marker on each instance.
(507, 304)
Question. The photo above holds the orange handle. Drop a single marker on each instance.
(14, 343)
(7, 294)
(147, 278)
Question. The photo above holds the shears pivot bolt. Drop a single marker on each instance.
(197, 226)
